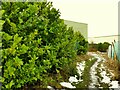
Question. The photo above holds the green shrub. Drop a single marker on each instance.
(103, 46)
(81, 44)
(35, 41)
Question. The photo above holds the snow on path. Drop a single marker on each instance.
(80, 68)
(115, 84)
(93, 71)
(94, 78)
(67, 84)
(50, 88)
(106, 79)
(73, 79)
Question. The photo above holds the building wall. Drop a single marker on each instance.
(102, 39)
(82, 27)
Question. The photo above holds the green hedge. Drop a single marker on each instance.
(102, 47)
(35, 41)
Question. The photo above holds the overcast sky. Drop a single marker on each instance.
(100, 15)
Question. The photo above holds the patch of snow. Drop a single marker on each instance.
(73, 79)
(90, 59)
(67, 84)
(82, 65)
(102, 66)
(93, 72)
(114, 84)
(80, 68)
(101, 87)
(105, 79)
(51, 88)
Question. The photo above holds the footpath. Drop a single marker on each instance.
(92, 74)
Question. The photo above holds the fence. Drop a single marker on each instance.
(114, 50)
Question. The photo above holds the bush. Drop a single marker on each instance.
(35, 42)
(102, 47)
(81, 44)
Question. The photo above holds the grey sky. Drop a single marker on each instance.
(100, 15)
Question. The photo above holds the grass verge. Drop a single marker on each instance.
(105, 86)
(86, 75)
(64, 74)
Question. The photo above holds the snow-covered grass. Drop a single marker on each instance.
(86, 75)
(92, 74)
(94, 80)
(73, 79)
(67, 84)
(114, 84)
(100, 76)
(105, 79)
(49, 87)
(80, 68)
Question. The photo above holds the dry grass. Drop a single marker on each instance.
(113, 66)
(85, 57)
